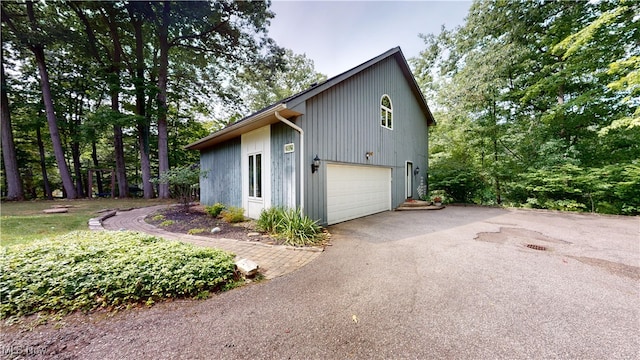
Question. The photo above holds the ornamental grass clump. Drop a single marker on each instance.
(88, 270)
(291, 226)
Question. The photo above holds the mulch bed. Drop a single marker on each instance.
(197, 218)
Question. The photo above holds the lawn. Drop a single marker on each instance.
(24, 222)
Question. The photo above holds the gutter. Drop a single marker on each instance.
(299, 130)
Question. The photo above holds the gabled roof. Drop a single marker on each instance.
(266, 115)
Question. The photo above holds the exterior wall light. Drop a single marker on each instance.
(416, 171)
(316, 164)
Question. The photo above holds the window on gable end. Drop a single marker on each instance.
(386, 112)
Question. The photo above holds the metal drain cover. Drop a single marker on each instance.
(537, 247)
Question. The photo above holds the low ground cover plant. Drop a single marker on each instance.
(86, 270)
(291, 226)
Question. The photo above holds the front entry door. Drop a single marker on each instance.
(256, 171)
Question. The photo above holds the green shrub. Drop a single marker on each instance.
(196, 231)
(291, 226)
(269, 219)
(167, 223)
(158, 217)
(233, 214)
(87, 270)
(215, 209)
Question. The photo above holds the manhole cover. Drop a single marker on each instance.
(537, 247)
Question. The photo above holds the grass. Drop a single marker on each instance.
(24, 222)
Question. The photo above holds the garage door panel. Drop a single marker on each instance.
(356, 191)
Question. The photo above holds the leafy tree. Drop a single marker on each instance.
(223, 32)
(33, 36)
(264, 85)
(526, 93)
(10, 161)
(184, 181)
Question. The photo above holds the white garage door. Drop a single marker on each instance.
(356, 191)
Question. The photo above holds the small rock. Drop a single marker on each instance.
(247, 267)
(252, 234)
(216, 230)
(265, 236)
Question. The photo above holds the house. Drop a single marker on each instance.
(351, 146)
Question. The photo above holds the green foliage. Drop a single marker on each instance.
(609, 189)
(233, 214)
(291, 226)
(184, 180)
(215, 209)
(459, 183)
(158, 217)
(196, 231)
(167, 223)
(536, 105)
(88, 270)
(267, 84)
(269, 219)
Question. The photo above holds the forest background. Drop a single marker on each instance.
(537, 102)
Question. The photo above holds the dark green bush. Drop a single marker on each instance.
(87, 270)
(215, 209)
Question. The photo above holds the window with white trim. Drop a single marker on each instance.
(255, 175)
(386, 112)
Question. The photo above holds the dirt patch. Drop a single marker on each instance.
(175, 219)
(509, 234)
(615, 268)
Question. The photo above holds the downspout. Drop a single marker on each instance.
(298, 129)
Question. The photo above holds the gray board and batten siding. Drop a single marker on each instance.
(221, 186)
(284, 172)
(342, 124)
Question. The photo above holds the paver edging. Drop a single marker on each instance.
(95, 224)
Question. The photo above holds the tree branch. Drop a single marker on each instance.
(177, 40)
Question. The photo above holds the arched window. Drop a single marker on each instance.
(386, 112)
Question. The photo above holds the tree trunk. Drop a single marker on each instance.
(75, 149)
(38, 52)
(143, 123)
(43, 166)
(77, 168)
(96, 165)
(10, 160)
(163, 146)
(118, 144)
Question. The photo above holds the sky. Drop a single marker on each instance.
(339, 35)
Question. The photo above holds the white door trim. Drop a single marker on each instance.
(408, 179)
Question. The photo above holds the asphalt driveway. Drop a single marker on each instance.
(458, 283)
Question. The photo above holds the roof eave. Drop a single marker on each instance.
(253, 122)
